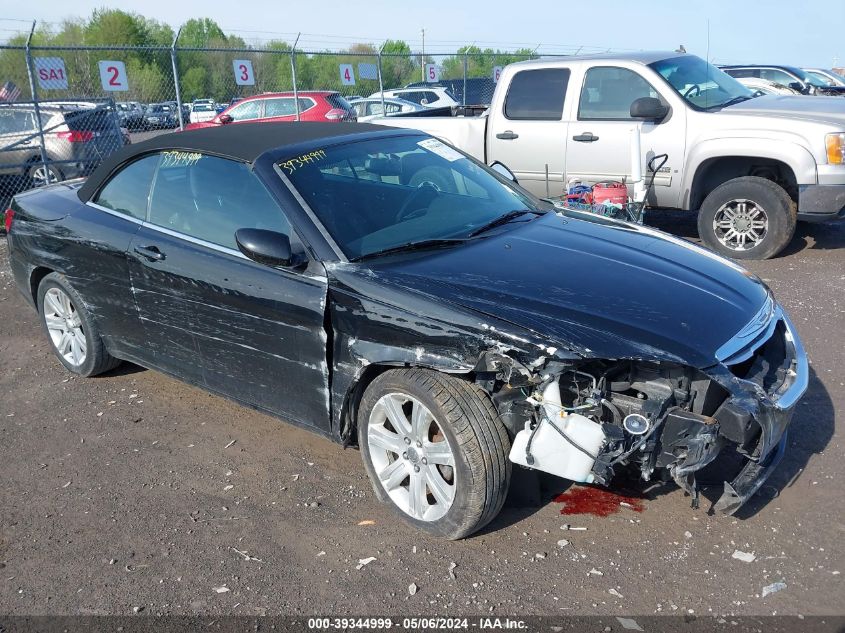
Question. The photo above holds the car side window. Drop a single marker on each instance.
(210, 198)
(608, 92)
(282, 106)
(741, 73)
(537, 95)
(246, 111)
(778, 76)
(129, 189)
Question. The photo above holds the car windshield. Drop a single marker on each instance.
(203, 107)
(386, 193)
(826, 81)
(808, 78)
(701, 84)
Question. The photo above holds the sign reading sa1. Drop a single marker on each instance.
(243, 72)
(51, 73)
(113, 75)
(432, 75)
(347, 75)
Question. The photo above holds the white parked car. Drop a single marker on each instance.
(434, 97)
(766, 87)
(202, 110)
(372, 107)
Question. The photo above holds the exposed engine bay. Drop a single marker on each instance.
(589, 422)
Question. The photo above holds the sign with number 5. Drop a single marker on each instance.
(432, 75)
(113, 76)
(347, 75)
(243, 72)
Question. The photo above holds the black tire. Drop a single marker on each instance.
(97, 359)
(479, 441)
(777, 207)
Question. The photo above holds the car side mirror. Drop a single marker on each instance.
(225, 118)
(502, 170)
(270, 248)
(649, 109)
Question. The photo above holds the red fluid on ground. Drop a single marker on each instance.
(596, 501)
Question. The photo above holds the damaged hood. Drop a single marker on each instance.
(590, 285)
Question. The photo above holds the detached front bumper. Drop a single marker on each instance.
(821, 203)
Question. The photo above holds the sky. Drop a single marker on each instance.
(805, 33)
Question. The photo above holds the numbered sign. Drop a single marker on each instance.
(243, 72)
(113, 75)
(347, 75)
(497, 71)
(51, 73)
(432, 75)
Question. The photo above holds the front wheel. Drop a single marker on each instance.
(435, 450)
(747, 218)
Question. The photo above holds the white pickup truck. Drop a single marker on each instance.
(751, 165)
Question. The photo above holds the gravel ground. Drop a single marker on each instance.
(132, 490)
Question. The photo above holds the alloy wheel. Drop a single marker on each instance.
(740, 224)
(64, 326)
(42, 176)
(411, 456)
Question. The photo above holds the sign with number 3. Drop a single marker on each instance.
(243, 72)
(113, 76)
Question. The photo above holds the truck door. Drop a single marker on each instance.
(600, 133)
(529, 135)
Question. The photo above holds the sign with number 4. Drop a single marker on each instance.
(243, 72)
(113, 76)
(432, 75)
(347, 75)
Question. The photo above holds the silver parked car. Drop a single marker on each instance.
(372, 107)
(77, 136)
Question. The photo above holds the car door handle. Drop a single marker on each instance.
(150, 252)
(507, 135)
(586, 137)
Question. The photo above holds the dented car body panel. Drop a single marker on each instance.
(621, 320)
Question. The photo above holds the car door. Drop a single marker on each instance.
(529, 135)
(243, 329)
(18, 140)
(599, 147)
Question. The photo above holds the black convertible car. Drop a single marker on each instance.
(385, 290)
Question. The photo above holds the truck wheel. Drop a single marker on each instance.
(747, 218)
(435, 450)
(73, 336)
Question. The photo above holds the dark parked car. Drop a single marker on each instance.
(313, 271)
(130, 115)
(77, 136)
(161, 116)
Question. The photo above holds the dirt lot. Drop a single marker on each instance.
(132, 490)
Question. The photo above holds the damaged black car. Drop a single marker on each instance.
(381, 288)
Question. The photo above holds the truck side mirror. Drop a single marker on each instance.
(649, 109)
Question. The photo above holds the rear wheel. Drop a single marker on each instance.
(73, 336)
(435, 450)
(40, 175)
(747, 218)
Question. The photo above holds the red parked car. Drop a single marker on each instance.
(314, 105)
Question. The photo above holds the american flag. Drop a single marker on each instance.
(9, 92)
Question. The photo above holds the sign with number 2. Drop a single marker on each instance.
(113, 76)
(243, 72)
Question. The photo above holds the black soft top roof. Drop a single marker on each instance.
(240, 141)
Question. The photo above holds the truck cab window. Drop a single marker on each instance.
(537, 94)
(608, 92)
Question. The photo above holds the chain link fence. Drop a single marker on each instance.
(63, 109)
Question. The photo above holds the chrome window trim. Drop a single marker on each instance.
(117, 214)
(194, 240)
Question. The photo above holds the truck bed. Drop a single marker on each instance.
(451, 125)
